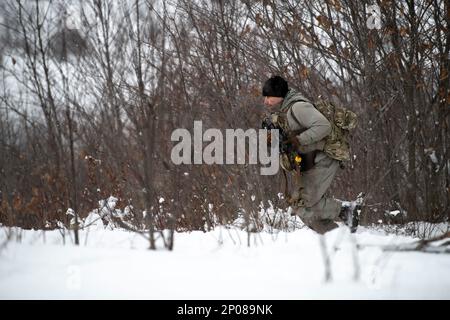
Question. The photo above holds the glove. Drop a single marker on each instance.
(293, 140)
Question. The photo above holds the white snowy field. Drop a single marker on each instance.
(116, 264)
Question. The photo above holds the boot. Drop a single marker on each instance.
(350, 216)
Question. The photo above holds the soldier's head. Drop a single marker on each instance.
(274, 91)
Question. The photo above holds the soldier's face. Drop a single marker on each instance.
(272, 102)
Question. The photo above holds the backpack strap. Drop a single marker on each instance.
(297, 132)
(294, 116)
(292, 113)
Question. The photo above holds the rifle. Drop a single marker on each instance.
(291, 158)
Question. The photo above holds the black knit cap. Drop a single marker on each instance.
(276, 86)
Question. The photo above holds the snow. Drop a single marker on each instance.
(394, 213)
(116, 264)
(433, 157)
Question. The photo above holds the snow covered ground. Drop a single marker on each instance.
(116, 264)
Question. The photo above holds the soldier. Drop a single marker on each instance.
(307, 130)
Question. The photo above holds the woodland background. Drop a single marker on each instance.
(91, 91)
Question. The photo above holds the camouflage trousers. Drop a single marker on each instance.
(309, 200)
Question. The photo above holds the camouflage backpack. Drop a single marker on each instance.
(342, 122)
